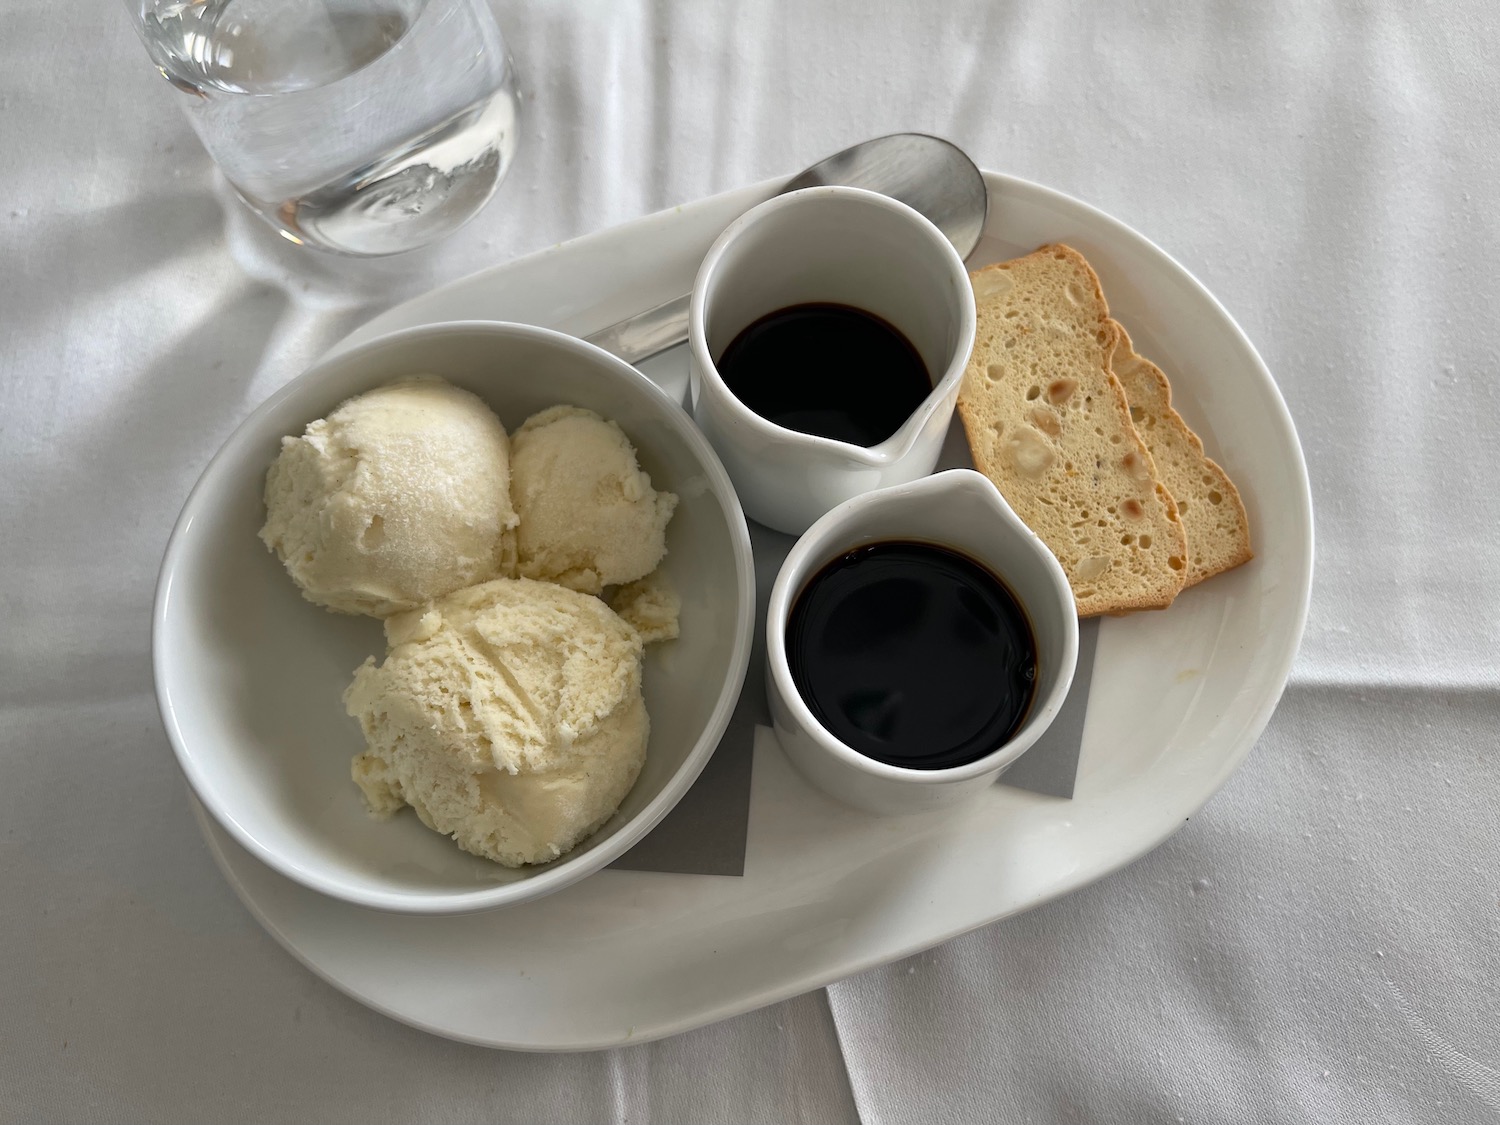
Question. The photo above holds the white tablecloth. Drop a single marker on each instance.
(1321, 944)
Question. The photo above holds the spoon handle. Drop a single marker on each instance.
(646, 334)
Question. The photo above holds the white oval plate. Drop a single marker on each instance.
(1178, 699)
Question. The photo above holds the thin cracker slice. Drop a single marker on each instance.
(1049, 423)
(1212, 513)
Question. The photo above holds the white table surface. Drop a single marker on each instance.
(1321, 944)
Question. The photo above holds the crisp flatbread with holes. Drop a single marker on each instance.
(1209, 505)
(1049, 423)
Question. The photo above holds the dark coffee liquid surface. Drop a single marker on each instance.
(912, 654)
(825, 369)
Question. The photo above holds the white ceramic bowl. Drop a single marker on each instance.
(249, 675)
(960, 509)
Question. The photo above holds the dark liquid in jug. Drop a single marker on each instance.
(912, 654)
(825, 369)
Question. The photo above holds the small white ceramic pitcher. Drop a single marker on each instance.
(962, 510)
(833, 245)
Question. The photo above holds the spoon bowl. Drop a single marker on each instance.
(930, 175)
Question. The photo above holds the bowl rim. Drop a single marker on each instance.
(568, 869)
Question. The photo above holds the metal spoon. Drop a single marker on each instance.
(926, 173)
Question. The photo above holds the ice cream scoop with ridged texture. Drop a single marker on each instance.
(509, 715)
(400, 495)
(589, 516)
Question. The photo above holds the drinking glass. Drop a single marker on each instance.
(363, 127)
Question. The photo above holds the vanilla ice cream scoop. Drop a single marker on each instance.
(589, 516)
(400, 495)
(650, 606)
(509, 715)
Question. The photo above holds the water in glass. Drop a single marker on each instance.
(360, 126)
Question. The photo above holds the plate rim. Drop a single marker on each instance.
(1302, 558)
